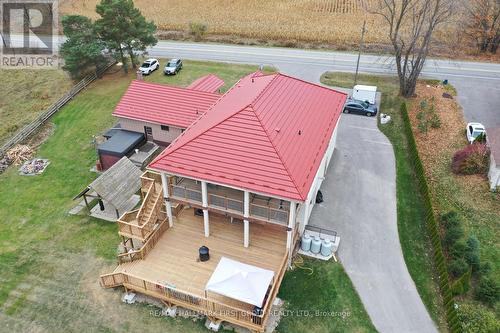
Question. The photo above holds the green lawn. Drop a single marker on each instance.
(50, 261)
(24, 94)
(412, 231)
(324, 301)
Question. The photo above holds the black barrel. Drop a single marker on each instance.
(319, 197)
(204, 253)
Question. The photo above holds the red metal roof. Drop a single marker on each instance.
(209, 83)
(267, 134)
(163, 104)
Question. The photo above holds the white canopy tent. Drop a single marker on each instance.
(245, 283)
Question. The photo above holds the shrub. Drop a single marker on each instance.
(488, 291)
(423, 104)
(471, 254)
(458, 249)
(473, 159)
(477, 319)
(421, 115)
(198, 30)
(450, 218)
(485, 268)
(422, 126)
(434, 119)
(458, 267)
(452, 235)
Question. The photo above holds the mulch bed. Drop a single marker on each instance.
(437, 146)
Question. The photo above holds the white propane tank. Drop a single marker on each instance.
(316, 245)
(305, 243)
(326, 248)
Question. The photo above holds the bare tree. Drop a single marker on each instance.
(411, 24)
(483, 24)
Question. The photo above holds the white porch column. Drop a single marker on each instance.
(291, 226)
(305, 217)
(246, 214)
(166, 196)
(204, 202)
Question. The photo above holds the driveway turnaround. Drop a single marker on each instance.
(360, 204)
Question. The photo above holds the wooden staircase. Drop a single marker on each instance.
(150, 205)
(140, 224)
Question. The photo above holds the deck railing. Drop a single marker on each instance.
(231, 205)
(225, 203)
(201, 304)
(267, 213)
(139, 223)
(266, 310)
(147, 247)
(149, 177)
(112, 280)
(185, 193)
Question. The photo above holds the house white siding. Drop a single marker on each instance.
(159, 135)
(305, 208)
(494, 174)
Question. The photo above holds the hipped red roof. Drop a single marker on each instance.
(267, 134)
(164, 104)
(208, 83)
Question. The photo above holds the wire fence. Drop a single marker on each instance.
(32, 127)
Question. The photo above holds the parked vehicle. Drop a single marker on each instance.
(360, 107)
(364, 93)
(149, 66)
(173, 67)
(474, 130)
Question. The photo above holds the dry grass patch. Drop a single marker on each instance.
(25, 94)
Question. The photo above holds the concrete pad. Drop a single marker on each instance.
(109, 212)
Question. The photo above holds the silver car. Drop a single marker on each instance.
(173, 67)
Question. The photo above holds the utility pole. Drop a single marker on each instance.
(359, 53)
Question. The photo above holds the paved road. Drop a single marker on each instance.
(478, 84)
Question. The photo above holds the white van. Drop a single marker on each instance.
(364, 93)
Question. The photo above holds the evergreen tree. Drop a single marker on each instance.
(82, 49)
(124, 30)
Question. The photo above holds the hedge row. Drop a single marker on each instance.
(432, 227)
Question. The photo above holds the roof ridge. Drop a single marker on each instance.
(276, 150)
(312, 84)
(263, 89)
(217, 123)
(171, 86)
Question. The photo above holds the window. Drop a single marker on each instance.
(165, 128)
(148, 130)
(182, 130)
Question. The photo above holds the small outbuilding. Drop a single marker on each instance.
(115, 191)
(493, 139)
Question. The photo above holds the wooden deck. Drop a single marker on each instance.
(174, 259)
